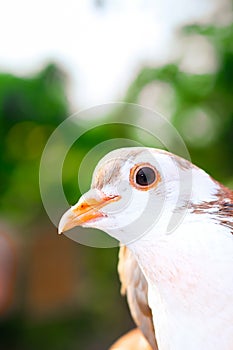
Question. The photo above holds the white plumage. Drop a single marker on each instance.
(176, 223)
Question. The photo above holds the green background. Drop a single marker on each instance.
(59, 294)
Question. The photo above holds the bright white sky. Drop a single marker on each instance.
(100, 48)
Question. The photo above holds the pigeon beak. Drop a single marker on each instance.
(86, 210)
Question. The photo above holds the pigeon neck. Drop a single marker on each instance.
(185, 284)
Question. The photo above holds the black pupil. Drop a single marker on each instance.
(145, 176)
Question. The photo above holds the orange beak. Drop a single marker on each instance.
(86, 210)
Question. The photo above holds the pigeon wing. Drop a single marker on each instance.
(134, 286)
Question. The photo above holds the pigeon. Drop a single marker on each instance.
(133, 340)
(174, 223)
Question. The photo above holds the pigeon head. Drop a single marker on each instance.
(135, 190)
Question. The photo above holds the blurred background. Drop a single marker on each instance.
(56, 58)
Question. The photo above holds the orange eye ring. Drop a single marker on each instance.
(144, 176)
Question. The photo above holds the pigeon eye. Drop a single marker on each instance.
(143, 176)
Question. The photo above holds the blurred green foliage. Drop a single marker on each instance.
(31, 108)
(203, 104)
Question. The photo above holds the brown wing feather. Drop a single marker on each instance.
(221, 208)
(134, 286)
